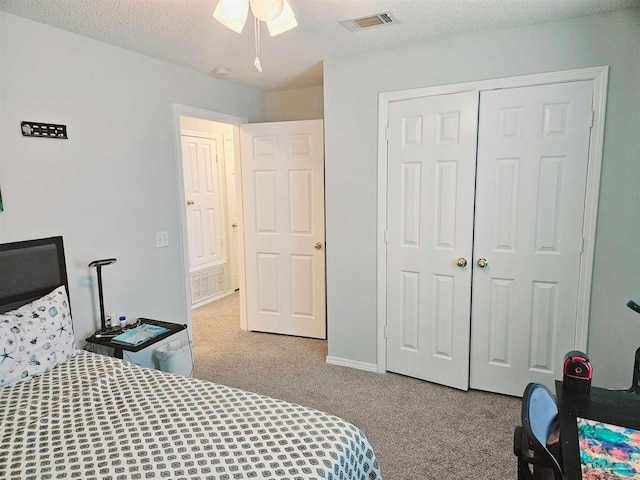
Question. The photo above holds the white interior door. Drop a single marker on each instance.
(232, 211)
(203, 201)
(283, 202)
(431, 176)
(531, 174)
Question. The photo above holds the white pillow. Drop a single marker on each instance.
(35, 338)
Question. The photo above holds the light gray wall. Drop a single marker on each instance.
(351, 87)
(296, 104)
(110, 187)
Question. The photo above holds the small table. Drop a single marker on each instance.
(118, 348)
(609, 406)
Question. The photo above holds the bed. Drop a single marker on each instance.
(66, 413)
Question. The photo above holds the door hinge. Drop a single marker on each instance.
(386, 236)
(386, 331)
(582, 245)
(387, 134)
(591, 117)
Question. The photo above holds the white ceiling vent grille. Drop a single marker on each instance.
(370, 21)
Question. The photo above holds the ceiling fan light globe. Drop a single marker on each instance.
(266, 10)
(286, 21)
(232, 14)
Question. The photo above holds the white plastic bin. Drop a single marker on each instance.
(176, 357)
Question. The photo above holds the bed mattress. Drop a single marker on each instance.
(98, 417)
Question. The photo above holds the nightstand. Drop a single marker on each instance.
(118, 349)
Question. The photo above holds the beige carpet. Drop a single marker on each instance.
(418, 430)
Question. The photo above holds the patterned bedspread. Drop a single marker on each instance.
(95, 417)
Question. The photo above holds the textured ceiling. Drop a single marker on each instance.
(183, 32)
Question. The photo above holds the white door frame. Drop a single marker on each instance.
(187, 111)
(600, 76)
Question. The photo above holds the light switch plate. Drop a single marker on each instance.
(162, 239)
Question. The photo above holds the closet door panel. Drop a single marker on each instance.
(531, 173)
(432, 151)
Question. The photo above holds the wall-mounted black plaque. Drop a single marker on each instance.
(39, 129)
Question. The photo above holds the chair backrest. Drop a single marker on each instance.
(539, 420)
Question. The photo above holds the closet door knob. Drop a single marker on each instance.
(318, 245)
(190, 202)
(461, 262)
(482, 262)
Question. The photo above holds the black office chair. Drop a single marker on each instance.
(539, 420)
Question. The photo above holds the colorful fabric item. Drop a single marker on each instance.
(96, 417)
(35, 338)
(608, 451)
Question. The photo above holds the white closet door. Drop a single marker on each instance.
(283, 188)
(431, 177)
(531, 173)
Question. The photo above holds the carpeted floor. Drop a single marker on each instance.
(418, 430)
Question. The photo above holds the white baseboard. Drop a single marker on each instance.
(345, 362)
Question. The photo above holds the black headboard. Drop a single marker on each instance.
(29, 270)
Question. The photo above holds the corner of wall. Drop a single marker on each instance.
(295, 104)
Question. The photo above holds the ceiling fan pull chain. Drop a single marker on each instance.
(256, 32)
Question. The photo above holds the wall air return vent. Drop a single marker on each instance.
(206, 284)
(370, 21)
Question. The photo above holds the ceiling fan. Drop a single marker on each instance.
(277, 14)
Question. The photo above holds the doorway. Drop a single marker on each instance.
(209, 177)
(217, 136)
(279, 192)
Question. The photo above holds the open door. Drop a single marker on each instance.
(283, 202)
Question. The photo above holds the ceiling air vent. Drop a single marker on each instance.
(370, 21)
